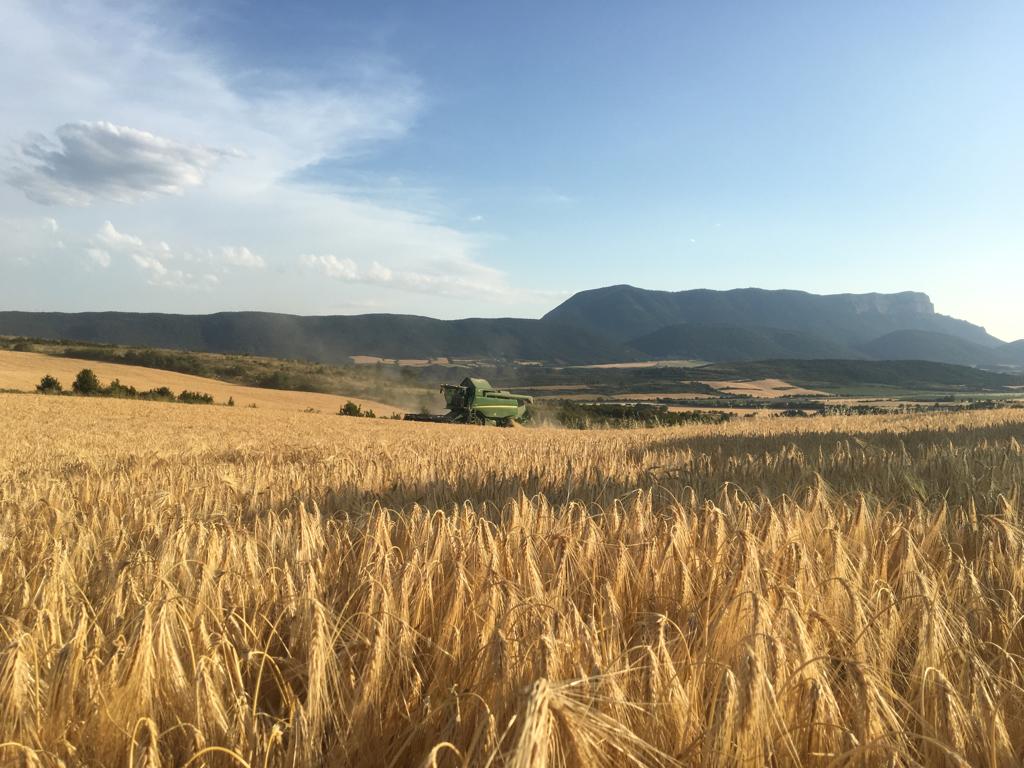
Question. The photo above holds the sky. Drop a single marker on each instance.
(459, 159)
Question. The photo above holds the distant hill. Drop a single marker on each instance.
(697, 341)
(927, 345)
(622, 313)
(327, 339)
(605, 325)
(1012, 354)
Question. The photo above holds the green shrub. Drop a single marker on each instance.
(86, 383)
(201, 398)
(160, 393)
(48, 385)
(350, 409)
(117, 389)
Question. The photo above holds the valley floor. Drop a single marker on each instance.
(266, 588)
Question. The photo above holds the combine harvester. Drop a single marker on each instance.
(475, 401)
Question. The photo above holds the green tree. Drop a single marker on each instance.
(86, 383)
(117, 389)
(188, 396)
(48, 385)
(160, 393)
(350, 409)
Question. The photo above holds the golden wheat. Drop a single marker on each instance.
(213, 586)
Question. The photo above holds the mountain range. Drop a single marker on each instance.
(613, 324)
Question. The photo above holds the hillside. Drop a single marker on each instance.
(326, 339)
(927, 345)
(21, 371)
(606, 325)
(622, 313)
(696, 341)
(1012, 354)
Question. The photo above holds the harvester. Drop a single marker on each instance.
(475, 401)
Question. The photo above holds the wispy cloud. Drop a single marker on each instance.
(240, 256)
(99, 257)
(155, 260)
(168, 141)
(23, 238)
(444, 279)
(331, 266)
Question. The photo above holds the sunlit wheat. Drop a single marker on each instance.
(237, 587)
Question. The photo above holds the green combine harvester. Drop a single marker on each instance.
(475, 401)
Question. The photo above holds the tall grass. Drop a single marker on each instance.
(242, 588)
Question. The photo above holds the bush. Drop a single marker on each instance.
(350, 409)
(86, 383)
(48, 385)
(160, 393)
(188, 396)
(117, 389)
(231, 402)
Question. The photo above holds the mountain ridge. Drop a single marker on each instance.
(624, 312)
(612, 324)
(322, 338)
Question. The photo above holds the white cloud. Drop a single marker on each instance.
(141, 112)
(99, 257)
(23, 239)
(451, 279)
(240, 256)
(152, 258)
(91, 160)
(332, 266)
(109, 235)
(151, 264)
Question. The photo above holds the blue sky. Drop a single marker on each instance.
(459, 159)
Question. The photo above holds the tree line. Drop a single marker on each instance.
(87, 383)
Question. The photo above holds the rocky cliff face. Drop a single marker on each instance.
(623, 312)
(906, 303)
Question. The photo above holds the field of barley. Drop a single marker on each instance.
(236, 587)
(21, 371)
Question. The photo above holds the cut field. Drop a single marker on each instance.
(643, 396)
(649, 364)
(409, 362)
(572, 393)
(21, 371)
(765, 388)
(236, 587)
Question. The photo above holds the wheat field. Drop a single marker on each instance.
(21, 371)
(234, 587)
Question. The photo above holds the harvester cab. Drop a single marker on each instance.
(475, 401)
